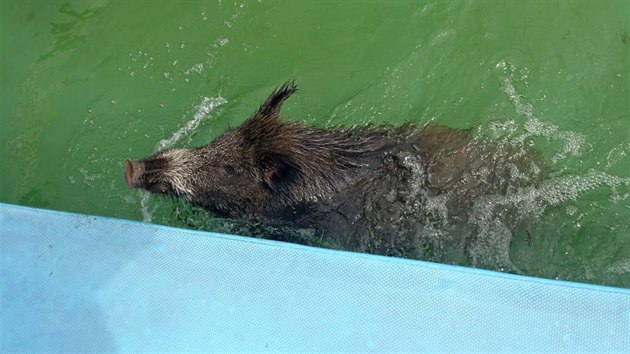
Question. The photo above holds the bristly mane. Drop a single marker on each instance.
(299, 161)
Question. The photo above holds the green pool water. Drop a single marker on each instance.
(87, 84)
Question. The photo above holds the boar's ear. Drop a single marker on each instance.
(279, 172)
(270, 109)
(262, 128)
(264, 135)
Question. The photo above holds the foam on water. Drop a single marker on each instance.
(533, 126)
(489, 214)
(528, 204)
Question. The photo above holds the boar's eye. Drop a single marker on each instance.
(223, 171)
(229, 170)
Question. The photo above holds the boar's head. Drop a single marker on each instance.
(264, 164)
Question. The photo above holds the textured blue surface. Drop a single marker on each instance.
(82, 283)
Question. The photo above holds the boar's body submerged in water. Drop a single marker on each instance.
(380, 190)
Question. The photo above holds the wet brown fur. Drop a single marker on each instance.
(366, 188)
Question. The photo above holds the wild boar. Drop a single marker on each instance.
(374, 189)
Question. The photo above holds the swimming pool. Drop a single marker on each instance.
(87, 84)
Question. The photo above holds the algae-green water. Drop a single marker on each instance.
(87, 84)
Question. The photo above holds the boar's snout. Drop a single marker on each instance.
(133, 172)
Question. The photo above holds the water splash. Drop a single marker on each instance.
(488, 212)
(147, 215)
(573, 142)
(197, 68)
(207, 105)
(495, 216)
